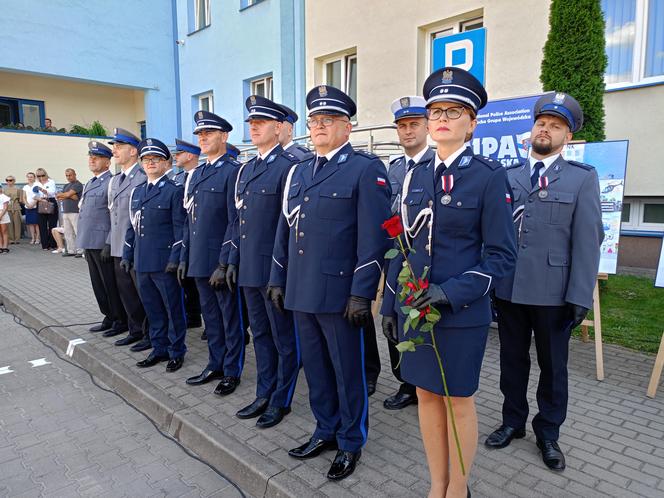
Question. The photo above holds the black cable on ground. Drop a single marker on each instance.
(36, 333)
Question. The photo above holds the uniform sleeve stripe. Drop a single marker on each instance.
(367, 264)
(482, 275)
(275, 260)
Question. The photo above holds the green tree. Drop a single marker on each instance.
(575, 60)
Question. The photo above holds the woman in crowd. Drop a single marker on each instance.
(459, 225)
(4, 221)
(47, 221)
(31, 216)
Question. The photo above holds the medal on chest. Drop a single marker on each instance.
(448, 185)
(543, 184)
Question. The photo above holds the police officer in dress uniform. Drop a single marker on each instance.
(211, 213)
(94, 225)
(286, 135)
(457, 216)
(558, 222)
(257, 195)
(186, 157)
(125, 154)
(410, 117)
(328, 256)
(152, 245)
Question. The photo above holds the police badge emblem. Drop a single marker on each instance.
(322, 91)
(199, 115)
(405, 102)
(448, 75)
(252, 99)
(94, 144)
(115, 131)
(149, 141)
(559, 98)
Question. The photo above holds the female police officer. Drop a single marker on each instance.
(457, 215)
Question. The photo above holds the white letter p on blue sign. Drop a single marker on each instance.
(463, 50)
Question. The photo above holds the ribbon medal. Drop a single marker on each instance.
(543, 184)
(448, 185)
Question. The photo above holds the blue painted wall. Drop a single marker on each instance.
(125, 43)
(241, 44)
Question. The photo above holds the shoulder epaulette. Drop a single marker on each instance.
(289, 156)
(302, 148)
(587, 167)
(396, 159)
(366, 154)
(514, 166)
(488, 162)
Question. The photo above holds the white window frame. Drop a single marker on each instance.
(208, 19)
(637, 211)
(450, 28)
(650, 226)
(639, 54)
(344, 58)
(206, 95)
(268, 81)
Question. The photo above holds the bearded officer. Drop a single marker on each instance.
(328, 256)
(558, 222)
(152, 245)
(286, 135)
(410, 118)
(258, 193)
(125, 154)
(207, 241)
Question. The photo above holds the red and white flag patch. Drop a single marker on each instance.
(381, 181)
(508, 198)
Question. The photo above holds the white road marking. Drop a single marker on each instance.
(72, 344)
(5, 370)
(39, 363)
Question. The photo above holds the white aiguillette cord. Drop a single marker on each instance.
(292, 217)
(424, 216)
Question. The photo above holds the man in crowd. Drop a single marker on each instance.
(410, 118)
(331, 246)
(68, 199)
(94, 225)
(558, 221)
(286, 135)
(16, 197)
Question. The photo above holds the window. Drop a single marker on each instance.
(262, 87)
(624, 216)
(341, 72)
(653, 213)
(14, 111)
(144, 129)
(634, 42)
(201, 14)
(206, 102)
(646, 214)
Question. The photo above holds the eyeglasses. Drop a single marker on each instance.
(41, 176)
(152, 160)
(450, 112)
(9, 180)
(315, 123)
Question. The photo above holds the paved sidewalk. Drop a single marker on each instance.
(60, 435)
(613, 437)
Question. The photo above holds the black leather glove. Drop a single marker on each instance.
(231, 277)
(218, 278)
(389, 326)
(578, 314)
(126, 265)
(433, 296)
(171, 268)
(358, 311)
(106, 254)
(182, 272)
(276, 295)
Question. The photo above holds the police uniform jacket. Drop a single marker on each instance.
(154, 237)
(472, 238)
(210, 215)
(334, 246)
(94, 221)
(258, 196)
(118, 205)
(559, 236)
(397, 172)
(300, 152)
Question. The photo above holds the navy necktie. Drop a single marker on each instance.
(534, 178)
(411, 163)
(122, 178)
(319, 164)
(150, 185)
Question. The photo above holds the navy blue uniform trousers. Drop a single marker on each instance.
(163, 302)
(222, 314)
(333, 360)
(552, 328)
(276, 347)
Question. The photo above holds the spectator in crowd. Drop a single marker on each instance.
(31, 217)
(69, 197)
(4, 221)
(48, 126)
(58, 234)
(16, 198)
(47, 221)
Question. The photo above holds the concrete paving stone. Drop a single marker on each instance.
(619, 458)
(208, 480)
(605, 443)
(605, 475)
(617, 491)
(636, 475)
(656, 468)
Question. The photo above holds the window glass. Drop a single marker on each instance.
(653, 213)
(654, 64)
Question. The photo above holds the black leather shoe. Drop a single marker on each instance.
(151, 361)
(116, 330)
(343, 465)
(400, 400)
(272, 416)
(312, 448)
(126, 341)
(205, 377)
(503, 436)
(227, 385)
(204, 336)
(253, 410)
(551, 454)
(371, 387)
(142, 345)
(102, 327)
(194, 323)
(174, 365)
